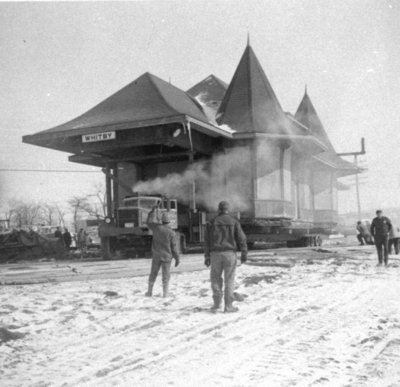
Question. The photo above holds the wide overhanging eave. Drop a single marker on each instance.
(313, 144)
(54, 139)
(39, 138)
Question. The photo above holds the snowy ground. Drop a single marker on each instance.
(311, 319)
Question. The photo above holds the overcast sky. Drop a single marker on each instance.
(60, 59)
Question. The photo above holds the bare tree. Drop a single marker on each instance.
(48, 212)
(78, 204)
(99, 206)
(93, 204)
(60, 212)
(24, 214)
(7, 214)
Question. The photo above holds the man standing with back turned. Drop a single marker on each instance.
(222, 238)
(163, 248)
(380, 228)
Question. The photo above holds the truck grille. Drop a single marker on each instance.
(128, 216)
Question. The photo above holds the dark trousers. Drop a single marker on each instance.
(382, 247)
(156, 264)
(394, 242)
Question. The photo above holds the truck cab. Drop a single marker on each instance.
(135, 211)
(129, 230)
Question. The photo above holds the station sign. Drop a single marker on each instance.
(95, 137)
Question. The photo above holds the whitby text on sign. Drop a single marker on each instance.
(105, 136)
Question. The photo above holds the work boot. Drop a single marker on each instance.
(217, 303)
(231, 309)
(149, 292)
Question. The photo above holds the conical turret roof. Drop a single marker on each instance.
(307, 115)
(250, 103)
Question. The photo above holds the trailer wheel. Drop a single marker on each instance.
(106, 248)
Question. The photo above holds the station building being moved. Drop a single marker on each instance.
(212, 142)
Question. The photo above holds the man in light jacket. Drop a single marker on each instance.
(394, 237)
(363, 233)
(164, 248)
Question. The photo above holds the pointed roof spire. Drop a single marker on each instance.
(305, 90)
(248, 38)
(250, 104)
(307, 115)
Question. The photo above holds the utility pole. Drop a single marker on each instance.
(356, 154)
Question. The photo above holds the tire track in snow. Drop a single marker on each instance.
(310, 330)
(252, 336)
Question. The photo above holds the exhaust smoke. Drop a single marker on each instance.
(226, 176)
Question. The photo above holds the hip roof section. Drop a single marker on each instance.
(209, 93)
(146, 98)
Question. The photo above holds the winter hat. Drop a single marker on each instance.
(223, 206)
(165, 218)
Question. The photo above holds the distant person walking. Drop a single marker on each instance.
(67, 239)
(380, 229)
(58, 234)
(164, 248)
(223, 236)
(81, 239)
(364, 235)
(394, 238)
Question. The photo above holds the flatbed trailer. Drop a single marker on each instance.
(127, 235)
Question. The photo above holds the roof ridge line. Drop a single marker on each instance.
(220, 81)
(161, 93)
(167, 83)
(248, 47)
(265, 79)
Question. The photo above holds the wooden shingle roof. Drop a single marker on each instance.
(148, 98)
(307, 115)
(250, 103)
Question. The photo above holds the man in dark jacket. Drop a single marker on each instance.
(223, 236)
(380, 229)
(67, 239)
(164, 247)
(58, 234)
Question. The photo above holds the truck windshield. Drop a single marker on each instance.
(145, 203)
(131, 202)
(148, 203)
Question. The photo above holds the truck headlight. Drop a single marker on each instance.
(107, 220)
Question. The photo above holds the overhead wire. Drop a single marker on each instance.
(45, 170)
